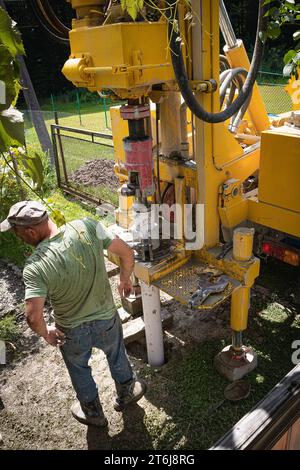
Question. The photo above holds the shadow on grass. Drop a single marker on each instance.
(134, 434)
(190, 393)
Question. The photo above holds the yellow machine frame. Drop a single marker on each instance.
(129, 58)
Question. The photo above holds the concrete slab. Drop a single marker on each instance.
(123, 315)
(133, 305)
(135, 329)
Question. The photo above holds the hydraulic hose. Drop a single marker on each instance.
(50, 22)
(228, 77)
(182, 78)
(224, 64)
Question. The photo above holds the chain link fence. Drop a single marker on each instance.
(272, 87)
(84, 163)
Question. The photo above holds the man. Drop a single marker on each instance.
(68, 266)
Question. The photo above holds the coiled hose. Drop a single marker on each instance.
(183, 81)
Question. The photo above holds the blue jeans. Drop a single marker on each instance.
(106, 335)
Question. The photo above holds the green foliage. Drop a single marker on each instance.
(19, 173)
(11, 120)
(33, 167)
(71, 96)
(49, 175)
(14, 160)
(282, 13)
(72, 210)
(132, 7)
(10, 46)
(11, 129)
(8, 328)
(10, 189)
(9, 35)
(13, 249)
(19, 170)
(292, 63)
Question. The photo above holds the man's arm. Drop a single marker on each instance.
(35, 320)
(125, 253)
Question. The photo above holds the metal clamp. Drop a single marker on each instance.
(208, 284)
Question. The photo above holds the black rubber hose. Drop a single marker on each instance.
(224, 64)
(231, 74)
(237, 83)
(49, 21)
(182, 78)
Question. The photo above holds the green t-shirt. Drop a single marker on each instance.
(70, 269)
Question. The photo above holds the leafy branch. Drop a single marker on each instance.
(133, 7)
(14, 160)
(281, 13)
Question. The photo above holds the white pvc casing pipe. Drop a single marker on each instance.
(2, 352)
(153, 325)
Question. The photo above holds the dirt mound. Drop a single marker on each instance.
(98, 172)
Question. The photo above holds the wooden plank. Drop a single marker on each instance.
(113, 272)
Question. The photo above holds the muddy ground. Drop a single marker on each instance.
(36, 393)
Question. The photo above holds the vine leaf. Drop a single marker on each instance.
(9, 77)
(34, 168)
(9, 35)
(11, 129)
(132, 7)
(58, 217)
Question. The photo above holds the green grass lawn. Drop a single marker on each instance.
(92, 119)
(78, 152)
(191, 392)
(276, 99)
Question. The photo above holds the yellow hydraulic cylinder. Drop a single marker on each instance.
(84, 7)
(243, 243)
(242, 252)
(239, 309)
(238, 57)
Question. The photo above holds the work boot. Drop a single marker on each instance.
(89, 413)
(129, 392)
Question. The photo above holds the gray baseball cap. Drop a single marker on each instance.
(25, 214)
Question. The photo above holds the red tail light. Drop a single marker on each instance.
(280, 252)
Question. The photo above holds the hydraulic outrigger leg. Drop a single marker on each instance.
(236, 360)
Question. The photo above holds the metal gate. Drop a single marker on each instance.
(84, 162)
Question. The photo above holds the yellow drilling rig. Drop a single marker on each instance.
(195, 152)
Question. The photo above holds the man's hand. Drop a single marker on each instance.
(35, 319)
(54, 336)
(125, 253)
(125, 288)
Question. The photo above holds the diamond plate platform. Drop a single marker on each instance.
(184, 282)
